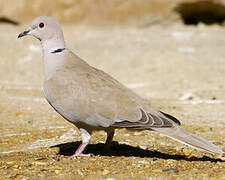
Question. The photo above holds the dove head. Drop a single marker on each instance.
(47, 30)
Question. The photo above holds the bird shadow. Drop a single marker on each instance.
(68, 149)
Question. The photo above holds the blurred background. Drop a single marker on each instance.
(109, 12)
(171, 52)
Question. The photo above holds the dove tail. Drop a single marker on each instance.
(189, 139)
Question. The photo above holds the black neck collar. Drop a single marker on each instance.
(58, 50)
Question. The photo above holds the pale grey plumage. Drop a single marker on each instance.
(92, 99)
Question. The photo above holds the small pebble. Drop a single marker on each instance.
(172, 170)
(38, 163)
(137, 133)
(186, 153)
(157, 170)
(105, 172)
(143, 147)
(143, 162)
(57, 171)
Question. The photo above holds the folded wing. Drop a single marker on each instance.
(168, 126)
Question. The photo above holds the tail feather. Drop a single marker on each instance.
(189, 139)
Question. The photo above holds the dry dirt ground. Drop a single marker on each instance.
(180, 69)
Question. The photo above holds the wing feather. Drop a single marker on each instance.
(148, 121)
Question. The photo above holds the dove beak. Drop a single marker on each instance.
(24, 33)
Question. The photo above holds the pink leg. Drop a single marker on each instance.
(79, 151)
(85, 141)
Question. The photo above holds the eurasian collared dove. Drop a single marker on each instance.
(93, 100)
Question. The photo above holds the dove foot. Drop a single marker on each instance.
(81, 155)
(79, 151)
(85, 140)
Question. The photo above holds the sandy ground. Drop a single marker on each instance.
(181, 70)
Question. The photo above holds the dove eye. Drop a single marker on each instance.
(41, 25)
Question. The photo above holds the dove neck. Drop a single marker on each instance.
(52, 61)
(53, 44)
